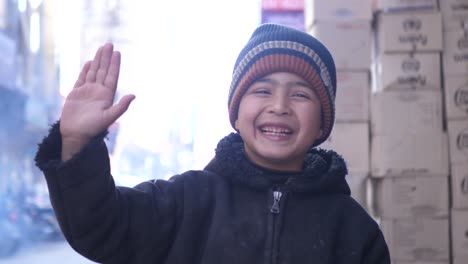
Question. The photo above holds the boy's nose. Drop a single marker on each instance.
(279, 105)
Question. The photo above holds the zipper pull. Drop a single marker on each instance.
(275, 208)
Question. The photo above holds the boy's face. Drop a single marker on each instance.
(279, 119)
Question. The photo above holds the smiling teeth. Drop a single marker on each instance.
(275, 131)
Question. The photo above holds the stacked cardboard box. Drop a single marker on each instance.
(455, 72)
(409, 145)
(418, 133)
(334, 23)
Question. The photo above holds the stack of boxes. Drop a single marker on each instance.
(402, 117)
(409, 145)
(345, 28)
(455, 70)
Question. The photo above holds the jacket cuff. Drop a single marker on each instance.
(48, 156)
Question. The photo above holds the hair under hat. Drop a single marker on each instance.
(277, 48)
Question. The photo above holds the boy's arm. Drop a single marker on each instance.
(104, 223)
(376, 251)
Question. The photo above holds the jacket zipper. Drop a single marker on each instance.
(275, 210)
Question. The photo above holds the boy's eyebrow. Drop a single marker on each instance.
(305, 84)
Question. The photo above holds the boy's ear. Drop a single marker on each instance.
(235, 124)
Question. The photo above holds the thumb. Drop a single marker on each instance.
(121, 107)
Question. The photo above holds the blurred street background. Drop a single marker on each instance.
(177, 58)
(51, 253)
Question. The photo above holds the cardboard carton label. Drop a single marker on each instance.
(414, 31)
(413, 71)
(458, 136)
(455, 52)
(411, 66)
(462, 141)
(412, 26)
(461, 98)
(456, 97)
(462, 44)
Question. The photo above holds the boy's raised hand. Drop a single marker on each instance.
(89, 108)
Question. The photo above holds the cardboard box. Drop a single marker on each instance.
(454, 13)
(348, 10)
(405, 5)
(418, 239)
(406, 112)
(351, 140)
(352, 99)
(407, 135)
(458, 137)
(459, 260)
(459, 188)
(456, 97)
(409, 31)
(459, 229)
(356, 53)
(455, 55)
(409, 197)
(408, 71)
(409, 154)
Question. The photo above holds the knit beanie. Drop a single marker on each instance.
(278, 48)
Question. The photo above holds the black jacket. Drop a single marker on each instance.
(230, 212)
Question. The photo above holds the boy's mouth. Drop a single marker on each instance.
(275, 131)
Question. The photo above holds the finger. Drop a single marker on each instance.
(112, 76)
(120, 108)
(106, 55)
(82, 77)
(91, 74)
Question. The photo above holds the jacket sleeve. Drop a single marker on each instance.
(376, 251)
(105, 223)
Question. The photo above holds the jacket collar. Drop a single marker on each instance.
(324, 170)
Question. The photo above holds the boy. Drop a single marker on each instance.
(267, 196)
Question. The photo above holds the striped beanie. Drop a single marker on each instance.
(277, 48)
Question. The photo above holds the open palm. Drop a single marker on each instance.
(89, 108)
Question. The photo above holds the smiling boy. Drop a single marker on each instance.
(267, 196)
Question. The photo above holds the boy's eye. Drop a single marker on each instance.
(261, 91)
(301, 95)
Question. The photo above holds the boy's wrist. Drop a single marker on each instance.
(71, 146)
